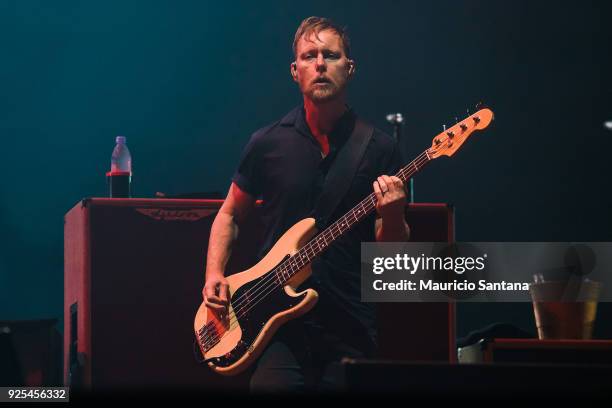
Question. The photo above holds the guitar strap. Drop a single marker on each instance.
(342, 172)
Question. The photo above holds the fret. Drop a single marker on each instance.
(310, 250)
(288, 270)
(278, 278)
(343, 224)
(346, 223)
(363, 210)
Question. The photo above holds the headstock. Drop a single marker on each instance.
(449, 141)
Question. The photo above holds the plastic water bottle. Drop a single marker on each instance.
(120, 174)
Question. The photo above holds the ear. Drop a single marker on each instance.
(351, 68)
(293, 69)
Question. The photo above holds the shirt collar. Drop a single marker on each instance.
(289, 119)
(344, 127)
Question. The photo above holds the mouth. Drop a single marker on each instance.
(321, 80)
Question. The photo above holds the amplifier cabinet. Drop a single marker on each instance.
(134, 271)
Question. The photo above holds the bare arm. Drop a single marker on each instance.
(392, 231)
(223, 233)
(391, 226)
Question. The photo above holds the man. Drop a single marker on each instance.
(286, 164)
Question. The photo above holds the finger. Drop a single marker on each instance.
(396, 185)
(209, 290)
(389, 182)
(224, 293)
(377, 191)
(214, 306)
(383, 185)
(396, 181)
(215, 300)
(399, 183)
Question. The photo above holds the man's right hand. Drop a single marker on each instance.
(223, 232)
(216, 292)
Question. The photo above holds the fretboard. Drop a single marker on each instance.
(287, 269)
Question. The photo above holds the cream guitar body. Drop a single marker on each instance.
(260, 303)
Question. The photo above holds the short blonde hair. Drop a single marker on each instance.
(314, 25)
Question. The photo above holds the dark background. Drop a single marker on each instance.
(188, 81)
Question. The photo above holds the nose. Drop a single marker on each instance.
(321, 67)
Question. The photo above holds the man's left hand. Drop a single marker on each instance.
(390, 197)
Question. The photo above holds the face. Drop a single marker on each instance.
(321, 68)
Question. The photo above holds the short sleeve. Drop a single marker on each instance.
(248, 175)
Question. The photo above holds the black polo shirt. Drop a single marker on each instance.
(282, 163)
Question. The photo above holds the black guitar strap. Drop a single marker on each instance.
(342, 172)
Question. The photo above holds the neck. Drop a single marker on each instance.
(322, 116)
(287, 269)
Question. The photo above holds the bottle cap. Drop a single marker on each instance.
(120, 139)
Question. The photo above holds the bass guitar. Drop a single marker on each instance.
(264, 297)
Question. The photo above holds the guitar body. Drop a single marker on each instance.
(240, 336)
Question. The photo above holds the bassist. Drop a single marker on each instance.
(286, 164)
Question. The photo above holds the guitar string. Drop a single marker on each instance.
(271, 278)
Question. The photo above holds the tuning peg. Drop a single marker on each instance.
(456, 120)
(444, 128)
(481, 105)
